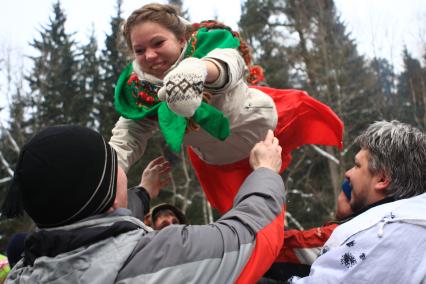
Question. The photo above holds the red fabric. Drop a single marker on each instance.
(301, 120)
(296, 239)
(269, 240)
(216, 180)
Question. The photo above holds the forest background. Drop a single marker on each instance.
(300, 44)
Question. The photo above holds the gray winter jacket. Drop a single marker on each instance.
(239, 247)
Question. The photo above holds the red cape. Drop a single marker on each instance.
(301, 120)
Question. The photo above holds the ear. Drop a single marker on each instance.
(182, 41)
(382, 182)
(113, 206)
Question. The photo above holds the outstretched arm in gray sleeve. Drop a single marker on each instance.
(238, 248)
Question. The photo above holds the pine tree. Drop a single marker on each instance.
(53, 77)
(412, 91)
(19, 127)
(90, 82)
(307, 44)
(15, 130)
(386, 75)
(12, 140)
(266, 42)
(337, 75)
(113, 59)
(386, 87)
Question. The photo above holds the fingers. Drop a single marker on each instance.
(266, 153)
(163, 168)
(269, 137)
(151, 164)
(275, 141)
(157, 161)
(158, 164)
(165, 181)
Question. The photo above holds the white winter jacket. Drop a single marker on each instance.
(385, 244)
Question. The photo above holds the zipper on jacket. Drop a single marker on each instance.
(250, 106)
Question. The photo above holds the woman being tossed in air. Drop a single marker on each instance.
(188, 80)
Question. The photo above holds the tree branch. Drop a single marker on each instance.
(293, 220)
(6, 164)
(325, 154)
(187, 181)
(301, 193)
(184, 199)
(15, 146)
(4, 180)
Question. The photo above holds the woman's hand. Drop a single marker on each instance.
(183, 87)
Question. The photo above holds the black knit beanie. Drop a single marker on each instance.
(64, 174)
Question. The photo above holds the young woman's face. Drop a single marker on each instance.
(155, 48)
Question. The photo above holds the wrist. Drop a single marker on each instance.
(214, 72)
(145, 190)
(144, 197)
(266, 167)
(142, 190)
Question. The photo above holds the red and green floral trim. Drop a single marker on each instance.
(145, 93)
(206, 39)
(136, 99)
(192, 43)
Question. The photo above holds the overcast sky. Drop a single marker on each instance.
(380, 27)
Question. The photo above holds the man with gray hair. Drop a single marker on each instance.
(388, 182)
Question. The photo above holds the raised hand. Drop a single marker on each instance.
(155, 176)
(183, 87)
(266, 153)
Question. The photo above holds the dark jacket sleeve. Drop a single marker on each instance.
(138, 201)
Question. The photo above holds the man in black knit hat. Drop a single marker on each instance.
(68, 181)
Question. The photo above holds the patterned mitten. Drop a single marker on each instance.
(183, 87)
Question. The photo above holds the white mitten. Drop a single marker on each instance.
(183, 87)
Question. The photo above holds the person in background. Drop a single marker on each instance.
(388, 185)
(80, 210)
(164, 215)
(155, 176)
(188, 81)
(15, 247)
(4, 268)
(302, 247)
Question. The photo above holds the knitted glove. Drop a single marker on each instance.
(183, 87)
